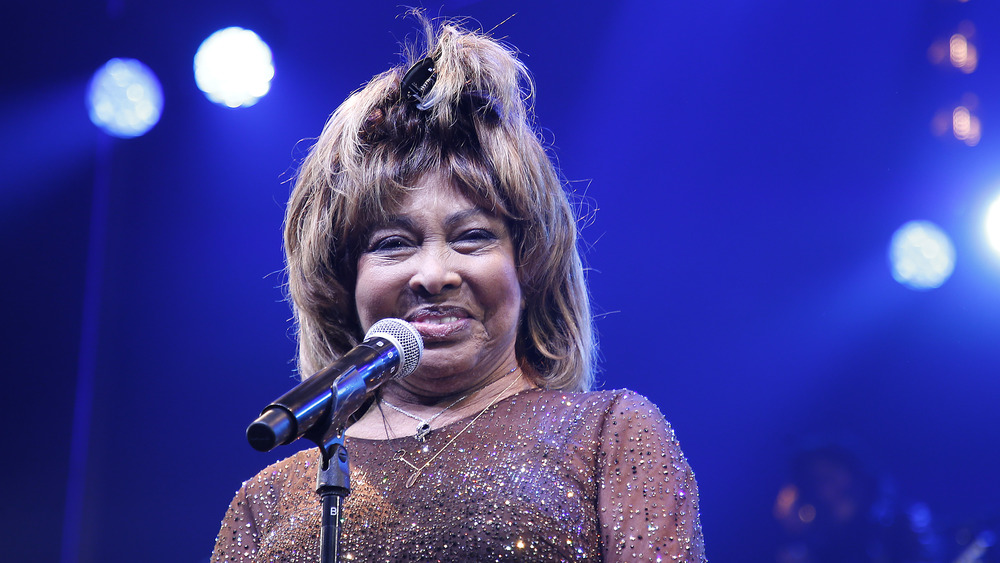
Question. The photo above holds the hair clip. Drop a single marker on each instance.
(418, 81)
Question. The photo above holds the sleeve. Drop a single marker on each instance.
(239, 537)
(648, 497)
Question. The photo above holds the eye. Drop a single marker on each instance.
(474, 239)
(477, 234)
(388, 243)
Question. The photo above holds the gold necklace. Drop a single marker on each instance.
(418, 470)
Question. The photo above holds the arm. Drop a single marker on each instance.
(648, 497)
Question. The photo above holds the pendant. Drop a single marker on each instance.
(413, 478)
(423, 431)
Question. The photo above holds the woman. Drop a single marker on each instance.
(428, 197)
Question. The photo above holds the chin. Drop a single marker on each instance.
(443, 361)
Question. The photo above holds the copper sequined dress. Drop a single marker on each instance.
(541, 476)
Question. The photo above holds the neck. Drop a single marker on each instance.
(410, 394)
(381, 421)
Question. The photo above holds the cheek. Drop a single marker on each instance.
(371, 294)
(507, 296)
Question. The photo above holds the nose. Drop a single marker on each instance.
(435, 272)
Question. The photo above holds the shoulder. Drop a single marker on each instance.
(631, 420)
(288, 472)
(616, 402)
(601, 397)
(611, 411)
(637, 412)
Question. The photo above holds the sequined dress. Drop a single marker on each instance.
(541, 476)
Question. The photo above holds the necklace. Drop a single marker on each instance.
(424, 428)
(417, 470)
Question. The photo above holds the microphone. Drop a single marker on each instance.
(391, 350)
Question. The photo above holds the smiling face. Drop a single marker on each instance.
(447, 266)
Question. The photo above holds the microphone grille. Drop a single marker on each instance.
(405, 337)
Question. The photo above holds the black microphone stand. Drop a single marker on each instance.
(333, 484)
(333, 478)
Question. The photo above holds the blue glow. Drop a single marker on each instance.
(993, 224)
(125, 98)
(922, 256)
(233, 67)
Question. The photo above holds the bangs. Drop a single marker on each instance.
(390, 173)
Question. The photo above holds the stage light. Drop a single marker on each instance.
(963, 54)
(921, 255)
(965, 126)
(993, 224)
(233, 67)
(125, 98)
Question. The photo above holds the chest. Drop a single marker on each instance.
(515, 501)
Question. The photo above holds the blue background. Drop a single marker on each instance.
(745, 164)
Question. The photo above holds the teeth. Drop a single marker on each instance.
(439, 320)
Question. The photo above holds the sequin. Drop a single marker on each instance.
(542, 476)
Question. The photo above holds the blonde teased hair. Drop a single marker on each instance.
(477, 129)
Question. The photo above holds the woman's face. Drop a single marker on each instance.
(447, 267)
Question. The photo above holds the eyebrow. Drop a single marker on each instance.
(406, 223)
(461, 216)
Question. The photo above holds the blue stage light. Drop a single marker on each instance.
(993, 224)
(921, 255)
(125, 98)
(233, 67)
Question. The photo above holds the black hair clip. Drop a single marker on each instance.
(418, 81)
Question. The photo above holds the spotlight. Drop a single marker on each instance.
(993, 224)
(125, 98)
(233, 67)
(921, 255)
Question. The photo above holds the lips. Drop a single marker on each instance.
(439, 323)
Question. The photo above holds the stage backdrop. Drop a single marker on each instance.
(741, 166)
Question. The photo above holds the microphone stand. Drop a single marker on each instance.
(333, 478)
(333, 484)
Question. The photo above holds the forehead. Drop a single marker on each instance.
(436, 193)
